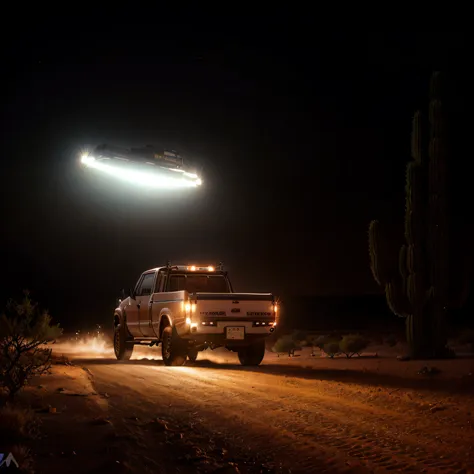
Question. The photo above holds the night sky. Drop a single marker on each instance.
(302, 139)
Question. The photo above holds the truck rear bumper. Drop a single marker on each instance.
(219, 335)
(221, 340)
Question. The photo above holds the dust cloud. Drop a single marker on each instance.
(93, 347)
(101, 347)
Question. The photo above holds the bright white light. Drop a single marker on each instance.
(87, 159)
(190, 175)
(188, 321)
(143, 178)
(198, 182)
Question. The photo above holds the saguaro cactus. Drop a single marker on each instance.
(418, 287)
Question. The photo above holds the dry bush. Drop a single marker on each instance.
(17, 424)
(352, 344)
(24, 329)
(331, 349)
(286, 344)
(24, 459)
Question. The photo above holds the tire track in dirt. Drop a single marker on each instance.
(410, 401)
(390, 446)
(187, 394)
(342, 417)
(298, 417)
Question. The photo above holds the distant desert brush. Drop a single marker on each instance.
(331, 349)
(352, 344)
(286, 344)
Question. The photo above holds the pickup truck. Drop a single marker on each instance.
(190, 308)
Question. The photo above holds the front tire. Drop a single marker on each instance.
(252, 355)
(173, 349)
(123, 348)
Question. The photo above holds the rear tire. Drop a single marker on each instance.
(173, 349)
(252, 355)
(123, 348)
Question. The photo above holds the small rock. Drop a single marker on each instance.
(159, 425)
(429, 371)
(100, 421)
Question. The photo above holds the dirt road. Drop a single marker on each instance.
(283, 418)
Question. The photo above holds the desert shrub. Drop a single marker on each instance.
(352, 344)
(391, 340)
(312, 341)
(286, 344)
(24, 329)
(320, 341)
(300, 337)
(467, 338)
(331, 349)
(17, 424)
(24, 458)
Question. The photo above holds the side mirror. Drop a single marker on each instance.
(122, 294)
(131, 294)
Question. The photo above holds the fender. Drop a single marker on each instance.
(165, 319)
(120, 313)
(177, 321)
(119, 317)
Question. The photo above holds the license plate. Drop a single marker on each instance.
(235, 332)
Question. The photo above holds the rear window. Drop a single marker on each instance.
(199, 283)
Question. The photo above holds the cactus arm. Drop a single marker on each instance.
(380, 263)
(397, 300)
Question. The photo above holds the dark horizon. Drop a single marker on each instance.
(303, 139)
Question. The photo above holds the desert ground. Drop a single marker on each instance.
(306, 414)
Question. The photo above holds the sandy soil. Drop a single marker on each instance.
(302, 414)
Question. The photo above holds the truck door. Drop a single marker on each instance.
(150, 320)
(143, 303)
(132, 311)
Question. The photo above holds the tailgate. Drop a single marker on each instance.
(233, 306)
